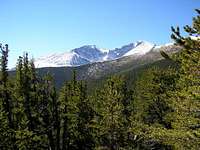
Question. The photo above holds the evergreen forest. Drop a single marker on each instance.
(160, 111)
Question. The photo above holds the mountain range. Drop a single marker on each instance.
(94, 65)
(89, 54)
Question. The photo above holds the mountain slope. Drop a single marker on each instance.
(99, 70)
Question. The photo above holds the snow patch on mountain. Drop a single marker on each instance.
(54, 60)
(167, 44)
(119, 52)
(141, 49)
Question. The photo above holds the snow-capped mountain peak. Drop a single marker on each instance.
(90, 54)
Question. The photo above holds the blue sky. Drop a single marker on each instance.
(46, 26)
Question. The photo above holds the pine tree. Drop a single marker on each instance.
(6, 104)
(76, 116)
(187, 95)
(151, 95)
(20, 116)
(26, 92)
(69, 98)
(183, 98)
(26, 100)
(111, 118)
(47, 114)
(56, 117)
(85, 139)
(152, 106)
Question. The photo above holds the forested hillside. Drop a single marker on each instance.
(161, 110)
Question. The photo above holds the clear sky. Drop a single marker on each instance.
(47, 26)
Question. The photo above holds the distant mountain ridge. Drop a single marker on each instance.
(90, 54)
(96, 71)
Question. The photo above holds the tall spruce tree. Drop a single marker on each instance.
(48, 111)
(6, 100)
(69, 97)
(25, 102)
(7, 134)
(85, 139)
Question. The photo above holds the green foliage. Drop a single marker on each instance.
(6, 103)
(152, 106)
(76, 116)
(112, 113)
(167, 102)
(151, 96)
(186, 97)
(160, 111)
